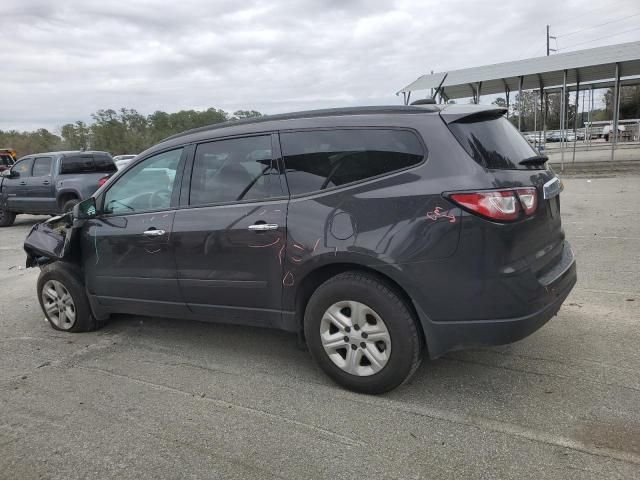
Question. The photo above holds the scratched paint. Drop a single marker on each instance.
(95, 243)
(288, 279)
(439, 212)
(275, 242)
(316, 245)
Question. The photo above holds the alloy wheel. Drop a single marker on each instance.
(58, 305)
(355, 338)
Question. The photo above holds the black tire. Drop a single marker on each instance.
(69, 204)
(7, 218)
(375, 293)
(69, 276)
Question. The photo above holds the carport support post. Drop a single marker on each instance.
(520, 104)
(506, 94)
(563, 113)
(575, 119)
(616, 112)
(535, 115)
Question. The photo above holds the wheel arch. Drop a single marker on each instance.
(316, 277)
(65, 195)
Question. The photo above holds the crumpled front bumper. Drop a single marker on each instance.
(49, 241)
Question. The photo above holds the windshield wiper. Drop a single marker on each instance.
(536, 159)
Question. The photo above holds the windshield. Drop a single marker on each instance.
(494, 142)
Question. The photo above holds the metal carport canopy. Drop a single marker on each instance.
(582, 66)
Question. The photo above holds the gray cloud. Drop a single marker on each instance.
(62, 60)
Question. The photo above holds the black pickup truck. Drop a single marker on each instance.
(51, 183)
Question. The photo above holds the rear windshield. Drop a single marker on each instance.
(87, 163)
(493, 142)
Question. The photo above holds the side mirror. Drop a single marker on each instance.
(85, 209)
(10, 174)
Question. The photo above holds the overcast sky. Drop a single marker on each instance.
(62, 60)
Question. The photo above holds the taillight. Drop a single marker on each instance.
(500, 205)
(103, 180)
(529, 199)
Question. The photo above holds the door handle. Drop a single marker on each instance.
(23, 183)
(262, 227)
(46, 182)
(152, 232)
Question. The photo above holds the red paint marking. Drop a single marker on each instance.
(438, 213)
(299, 247)
(277, 240)
(296, 259)
(280, 253)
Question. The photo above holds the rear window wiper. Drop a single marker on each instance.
(536, 159)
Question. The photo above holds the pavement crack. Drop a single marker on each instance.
(508, 429)
(222, 403)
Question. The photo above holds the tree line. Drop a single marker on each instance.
(117, 131)
(531, 115)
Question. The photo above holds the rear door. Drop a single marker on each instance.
(231, 231)
(127, 250)
(15, 189)
(40, 185)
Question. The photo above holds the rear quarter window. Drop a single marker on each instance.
(320, 159)
(493, 142)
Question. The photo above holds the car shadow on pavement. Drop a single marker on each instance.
(276, 353)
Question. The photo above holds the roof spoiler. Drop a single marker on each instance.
(470, 113)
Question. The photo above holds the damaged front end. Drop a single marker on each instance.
(51, 240)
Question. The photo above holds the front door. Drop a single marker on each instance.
(127, 252)
(230, 234)
(15, 188)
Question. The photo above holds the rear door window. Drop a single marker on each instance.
(234, 170)
(320, 159)
(493, 142)
(42, 166)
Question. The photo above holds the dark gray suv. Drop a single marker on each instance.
(376, 234)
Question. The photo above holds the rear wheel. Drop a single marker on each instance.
(69, 204)
(63, 299)
(6, 218)
(362, 334)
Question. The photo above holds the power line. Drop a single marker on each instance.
(598, 25)
(601, 38)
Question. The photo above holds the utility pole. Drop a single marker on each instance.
(548, 37)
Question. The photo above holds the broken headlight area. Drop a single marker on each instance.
(49, 241)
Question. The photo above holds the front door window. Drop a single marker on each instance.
(146, 187)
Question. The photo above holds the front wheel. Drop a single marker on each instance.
(63, 299)
(362, 334)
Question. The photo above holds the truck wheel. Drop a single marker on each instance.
(63, 299)
(6, 218)
(69, 204)
(362, 334)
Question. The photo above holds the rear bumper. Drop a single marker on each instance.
(454, 335)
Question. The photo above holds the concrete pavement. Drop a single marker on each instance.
(152, 398)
